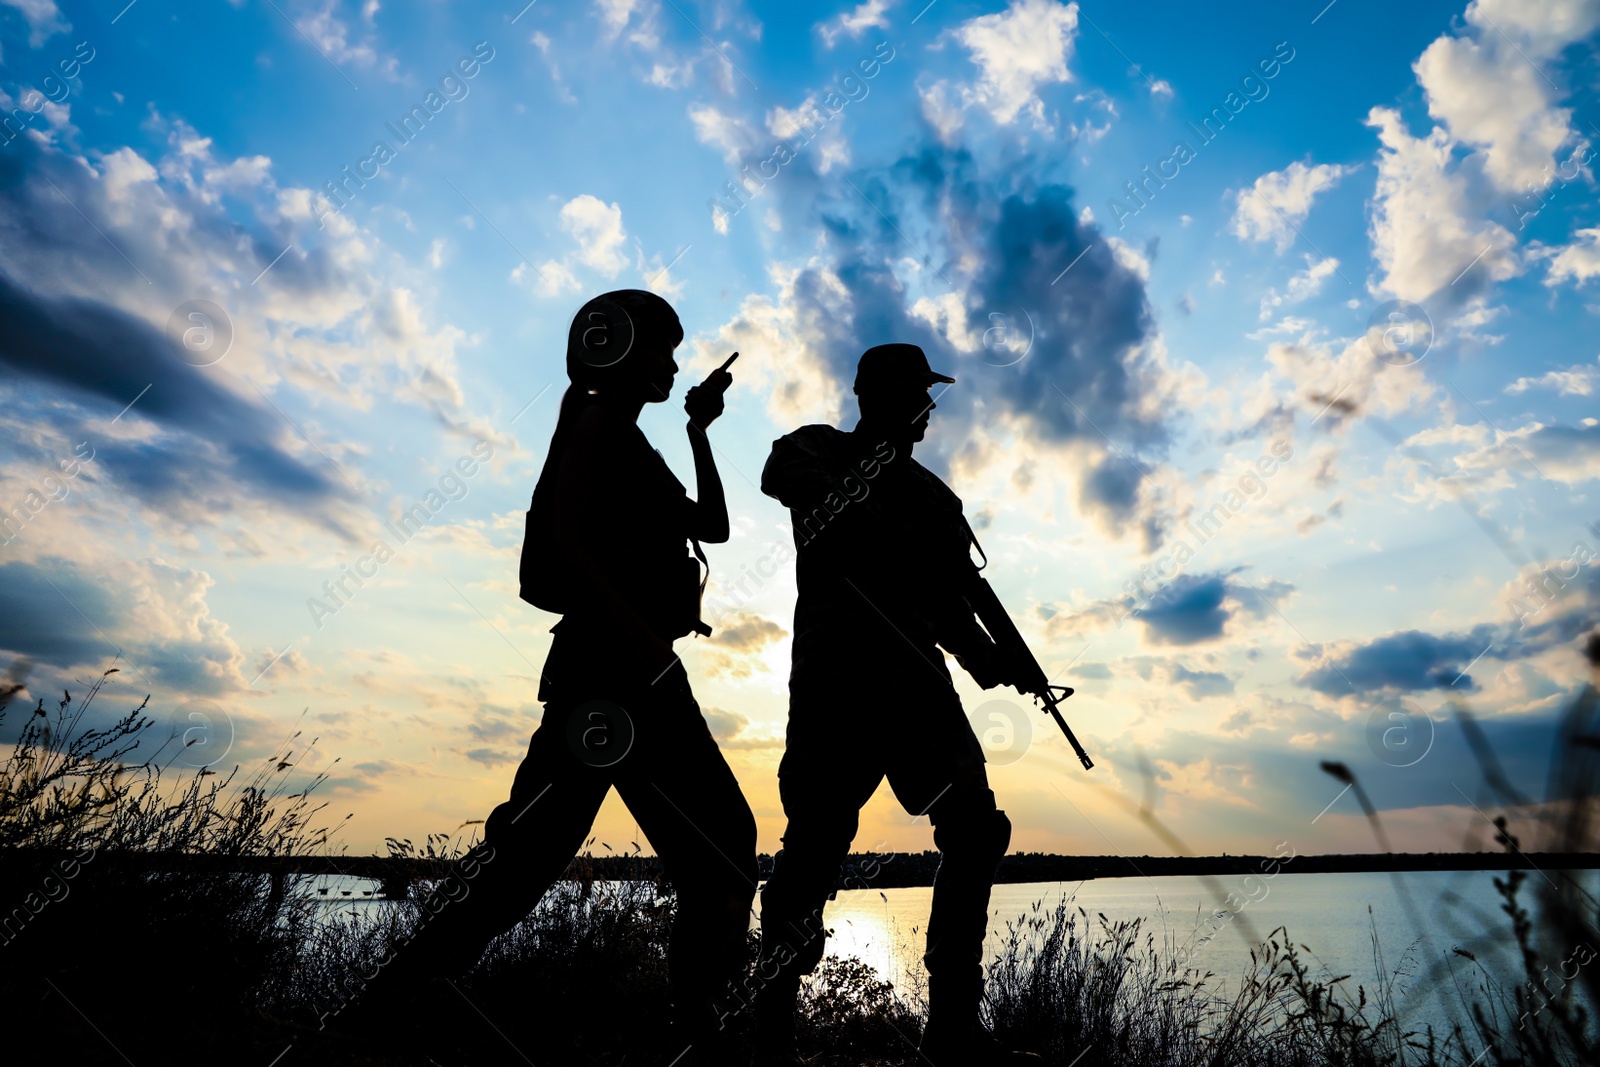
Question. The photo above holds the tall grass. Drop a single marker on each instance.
(148, 960)
(186, 966)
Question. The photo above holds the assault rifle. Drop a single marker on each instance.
(992, 614)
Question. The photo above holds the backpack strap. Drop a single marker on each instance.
(974, 539)
(700, 554)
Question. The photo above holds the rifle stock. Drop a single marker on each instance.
(995, 619)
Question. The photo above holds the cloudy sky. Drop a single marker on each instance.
(1272, 324)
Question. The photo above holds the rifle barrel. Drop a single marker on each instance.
(1052, 705)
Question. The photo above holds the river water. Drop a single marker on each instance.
(1393, 928)
(1416, 920)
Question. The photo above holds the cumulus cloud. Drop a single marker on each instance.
(1576, 262)
(722, 130)
(855, 22)
(1017, 51)
(1486, 87)
(96, 253)
(1194, 609)
(39, 618)
(1411, 661)
(746, 633)
(1302, 286)
(596, 227)
(490, 757)
(1201, 684)
(617, 15)
(1540, 27)
(1081, 363)
(942, 111)
(1499, 132)
(795, 126)
(1490, 97)
(735, 646)
(333, 37)
(803, 387)
(1198, 684)
(150, 615)
(1406, 662)
(1280, 200)
(1484, 458)
(730, 729)
(167, 223)
(1568, 454)
(1336, 382)
(1578, 380)
(43, 17)
(217, 439)
(935, 251)
(1428, 232)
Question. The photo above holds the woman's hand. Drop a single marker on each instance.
(703, 402)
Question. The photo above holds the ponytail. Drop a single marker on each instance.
(542, 582)
(573, 404)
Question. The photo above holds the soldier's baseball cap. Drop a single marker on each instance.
(895, 364)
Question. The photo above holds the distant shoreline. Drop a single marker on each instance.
(1048, 868)
(888, 870)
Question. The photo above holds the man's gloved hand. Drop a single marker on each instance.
(1015, 669)
(1024, 676)
(984, 661)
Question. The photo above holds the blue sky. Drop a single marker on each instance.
(1243, 524)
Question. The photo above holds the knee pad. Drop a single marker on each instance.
(821, 827)
(813, 850)
(793, 939)
(801, 879)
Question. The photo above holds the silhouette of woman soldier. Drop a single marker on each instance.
(607, 547)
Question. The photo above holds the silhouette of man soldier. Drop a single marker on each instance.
(879, 538)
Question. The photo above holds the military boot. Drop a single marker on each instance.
(775, 1024)
(954, 1036)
